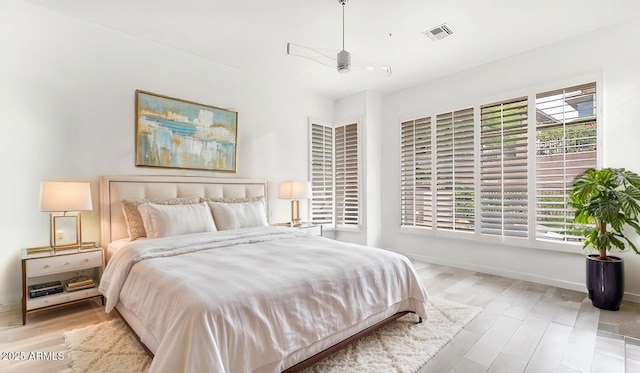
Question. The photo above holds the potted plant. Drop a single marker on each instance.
(608, 201)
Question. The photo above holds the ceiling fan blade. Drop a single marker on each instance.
(328, 57)
(360, 64)
(322, 56)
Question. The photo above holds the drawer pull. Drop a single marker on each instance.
(86, 260)
(46, 266)
(67, 263)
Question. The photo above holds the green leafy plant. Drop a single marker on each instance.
(605, 198)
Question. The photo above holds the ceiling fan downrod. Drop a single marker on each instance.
(344, 57)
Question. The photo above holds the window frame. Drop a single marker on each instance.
(458, 153)
(476, 103)
(333, 225)
(510, 127)
(311, 123)
(426, 124)
(594, 78)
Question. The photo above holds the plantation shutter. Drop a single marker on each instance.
(566, 140)
(416, 176)
(346, 175)
(322, 174)
(503, 165)
(455, 206)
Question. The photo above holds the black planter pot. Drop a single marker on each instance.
(605, 282)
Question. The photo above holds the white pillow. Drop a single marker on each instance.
(135, 226)
(239, 215)
(171, 220)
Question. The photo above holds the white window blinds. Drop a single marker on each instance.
(322, 174)
(455, 194)
(416, 176)
(346, 175)
(335, 175)
(503, 164)
(464, 175)
(566, 140)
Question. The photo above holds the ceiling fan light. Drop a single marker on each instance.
(344, 61)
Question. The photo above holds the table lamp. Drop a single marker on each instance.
(64, 201)
(295, 191)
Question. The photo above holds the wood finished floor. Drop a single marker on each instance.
(524, 327)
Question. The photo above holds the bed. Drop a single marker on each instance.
(243, 296)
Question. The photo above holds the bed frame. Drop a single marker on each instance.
(113, 189)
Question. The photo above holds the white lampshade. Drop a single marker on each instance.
(60, 196)
(295, 190)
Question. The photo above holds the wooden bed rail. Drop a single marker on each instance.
(322, 354)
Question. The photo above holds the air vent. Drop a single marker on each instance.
(439, 33)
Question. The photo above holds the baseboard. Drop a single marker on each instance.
(576, 286)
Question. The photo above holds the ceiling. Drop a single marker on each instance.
(250, 35)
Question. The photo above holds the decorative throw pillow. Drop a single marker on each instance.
(172, 220)
(239, 214)
(135, 226)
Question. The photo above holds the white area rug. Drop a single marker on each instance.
(106, 347)
(401, 346)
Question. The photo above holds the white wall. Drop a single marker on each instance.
(372, 179)
(67, 97)
(614, 58)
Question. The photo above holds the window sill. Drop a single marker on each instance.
(532, 243)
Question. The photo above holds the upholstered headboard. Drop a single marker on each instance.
(113, 189)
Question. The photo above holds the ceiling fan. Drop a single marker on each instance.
(343, 60)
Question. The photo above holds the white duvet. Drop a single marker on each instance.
(255, 299)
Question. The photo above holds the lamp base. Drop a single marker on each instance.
(295, 213)
(65, 230)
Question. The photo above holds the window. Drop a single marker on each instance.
(450, 176)
(346, 175)
(416, 178)
(566, 137)
(335, 175)
(321, 174)
(503, 168)
(506, 175)
(455, 195)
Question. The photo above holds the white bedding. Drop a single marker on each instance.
(255, 299)
(117, 245)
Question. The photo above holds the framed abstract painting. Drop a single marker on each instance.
(174, 133)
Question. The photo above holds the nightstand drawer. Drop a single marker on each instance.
(63, 263)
